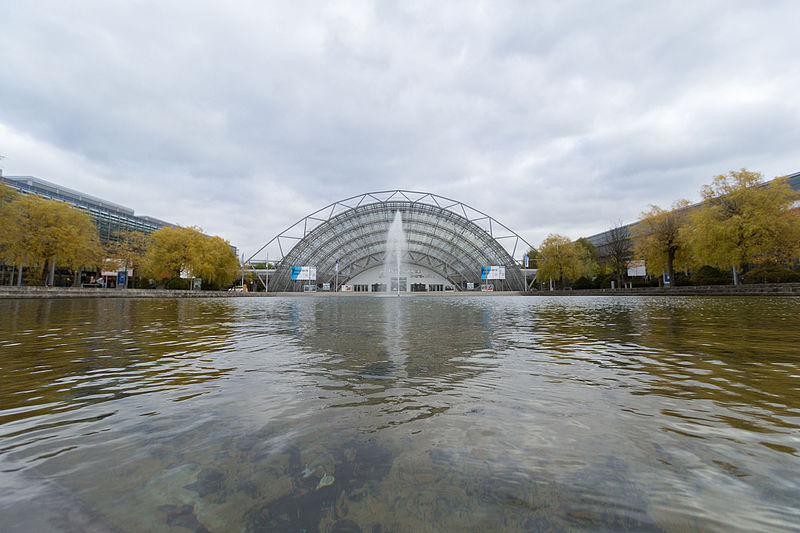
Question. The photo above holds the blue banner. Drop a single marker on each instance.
(485, 272)
(296, 272)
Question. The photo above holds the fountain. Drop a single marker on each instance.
(396, 247)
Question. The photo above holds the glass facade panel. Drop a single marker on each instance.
(438, 238)
(111, 219)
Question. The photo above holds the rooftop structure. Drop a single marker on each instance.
(447, 244)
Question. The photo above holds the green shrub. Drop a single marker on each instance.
(644, 282)
(211, 286)
(603, 281)
(709, 275)
(144, 283)
(179, 284)
(582, 283)
(771, 274)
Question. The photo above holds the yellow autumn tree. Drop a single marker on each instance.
(588, 257)
(659, 238)
(41, 233)
(128, 251)
(7, 195)
(218, 264)
(170, 252)
(743, 220)
(176, 250)
(559, 260)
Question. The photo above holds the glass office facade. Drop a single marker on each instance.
(111, 219)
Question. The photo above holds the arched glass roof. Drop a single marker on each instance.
(444, 235)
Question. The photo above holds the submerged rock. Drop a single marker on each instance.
(346, 473)
(345, 526)
(326, 480)
(209, 481)
(183, 516)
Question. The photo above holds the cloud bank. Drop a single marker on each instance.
(244, 117)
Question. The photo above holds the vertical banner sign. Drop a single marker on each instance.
(526, 260)
(493, 272)
(304, 273)
(666, 278)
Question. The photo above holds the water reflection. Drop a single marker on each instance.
(734, 352)
(66, 354)
(397, 414)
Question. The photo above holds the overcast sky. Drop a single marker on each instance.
(243, 117)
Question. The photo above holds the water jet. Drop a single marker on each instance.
(396, 247)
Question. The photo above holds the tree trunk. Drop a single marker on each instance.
(43, 273)
(735, 276)
(19, 277)
(11, 277)
(77, 281)
(51, 276)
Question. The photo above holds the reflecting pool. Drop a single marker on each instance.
(417, 413)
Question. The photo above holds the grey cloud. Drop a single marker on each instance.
(552, 117)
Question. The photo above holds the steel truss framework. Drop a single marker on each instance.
(444, 235)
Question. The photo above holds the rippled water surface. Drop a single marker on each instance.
(400, 414)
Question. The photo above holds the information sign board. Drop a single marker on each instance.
(493, 272)
(304, 273)
(636, 268)
(114, 273)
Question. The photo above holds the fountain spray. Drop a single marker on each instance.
(396, 247)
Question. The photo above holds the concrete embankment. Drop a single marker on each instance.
(75, 292)
(782, 289)
(776, 289)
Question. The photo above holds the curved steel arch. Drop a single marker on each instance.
(444, 235)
